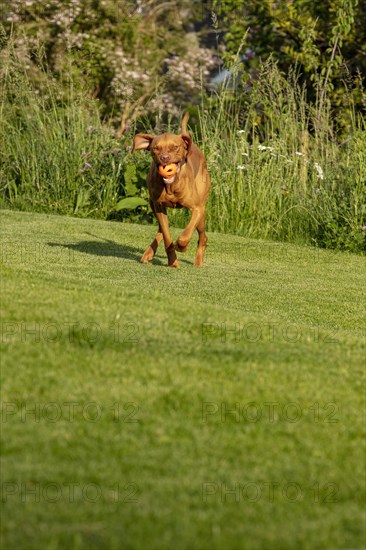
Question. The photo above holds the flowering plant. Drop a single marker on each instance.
(134, 57)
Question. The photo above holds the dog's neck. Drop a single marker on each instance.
(171, 187)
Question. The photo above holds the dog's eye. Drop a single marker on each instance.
(173, 147)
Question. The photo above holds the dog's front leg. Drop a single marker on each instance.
(149, 253)
(162, 218)
(183, 240)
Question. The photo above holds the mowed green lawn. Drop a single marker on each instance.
(146, 407)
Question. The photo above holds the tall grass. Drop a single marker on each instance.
(56, 155)
(278, 174)
(278, 170)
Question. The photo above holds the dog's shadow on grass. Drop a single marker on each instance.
(108, 248)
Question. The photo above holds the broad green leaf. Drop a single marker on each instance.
(130, 203)
(130, 178)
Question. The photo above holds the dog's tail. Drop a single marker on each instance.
(184, 124)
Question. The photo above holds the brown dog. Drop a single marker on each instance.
(188, 188)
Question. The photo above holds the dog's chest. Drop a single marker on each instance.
(172, 198)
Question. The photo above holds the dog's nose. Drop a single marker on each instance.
(165, 159)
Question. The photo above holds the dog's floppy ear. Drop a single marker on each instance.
(142, 141)
(187, 142)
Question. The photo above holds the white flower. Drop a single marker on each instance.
(319, 170)
(264, 148)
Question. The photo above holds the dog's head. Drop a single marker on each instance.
(165, 149)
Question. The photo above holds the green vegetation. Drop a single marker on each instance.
(145, 407)
(274, 179)
(284, 132)
(271, 177)
(118, 380)
(325, 41)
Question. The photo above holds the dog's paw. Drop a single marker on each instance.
(174, 264)
(180, 247)
(147, 256)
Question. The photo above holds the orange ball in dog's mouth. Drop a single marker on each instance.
(168, 171)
